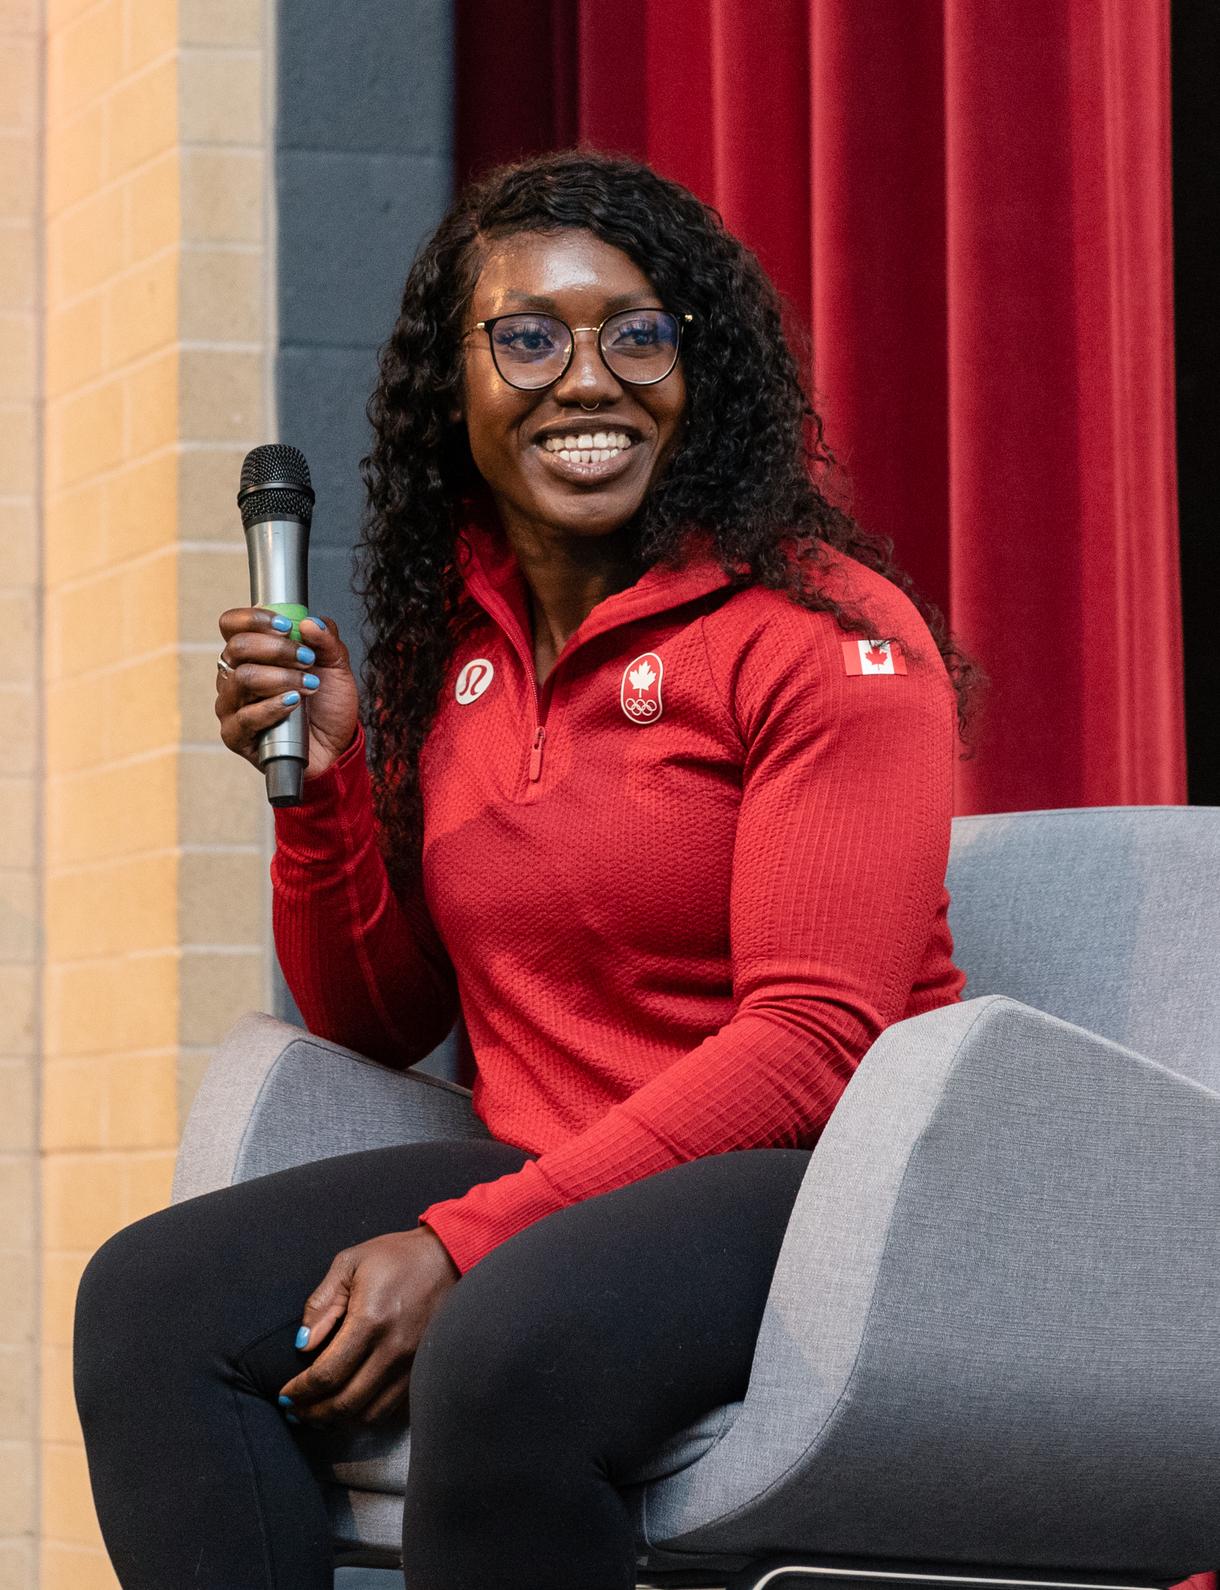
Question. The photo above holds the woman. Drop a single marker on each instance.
(660, 803)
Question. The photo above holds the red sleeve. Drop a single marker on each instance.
(838, 866)
(365, 966)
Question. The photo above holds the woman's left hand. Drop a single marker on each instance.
(384, 1291)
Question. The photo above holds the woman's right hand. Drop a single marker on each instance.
(266, 665)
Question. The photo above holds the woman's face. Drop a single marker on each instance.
(578, 278)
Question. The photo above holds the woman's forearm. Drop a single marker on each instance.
(365, 966)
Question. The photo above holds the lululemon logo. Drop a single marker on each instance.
(473, 680)
(640, 689)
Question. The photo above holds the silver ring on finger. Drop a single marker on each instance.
(225, 668)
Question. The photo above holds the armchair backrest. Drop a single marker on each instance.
(1107, 916)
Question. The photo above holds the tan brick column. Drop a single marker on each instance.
(155, 855)
(20, 159)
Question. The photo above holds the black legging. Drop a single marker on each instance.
(562, 1358)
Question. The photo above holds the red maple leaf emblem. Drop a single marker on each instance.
(876, 655)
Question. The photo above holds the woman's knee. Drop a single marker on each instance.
(125, 1276)
(485, 1349)
(125, 1292)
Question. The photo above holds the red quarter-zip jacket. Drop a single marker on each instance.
(676, 890)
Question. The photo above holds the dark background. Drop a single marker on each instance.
(1196, 160)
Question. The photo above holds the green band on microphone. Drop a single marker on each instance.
(292, 610)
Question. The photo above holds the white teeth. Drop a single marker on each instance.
(597, 455)
(584, 443)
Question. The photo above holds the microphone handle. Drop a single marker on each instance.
(278, 553)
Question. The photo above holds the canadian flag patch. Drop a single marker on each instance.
(873, 657)
(639, 691)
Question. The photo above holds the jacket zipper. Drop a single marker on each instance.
(540, 693)
(536, 753)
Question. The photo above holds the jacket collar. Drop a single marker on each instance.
(493, 577)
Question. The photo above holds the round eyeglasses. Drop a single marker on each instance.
(639, 346)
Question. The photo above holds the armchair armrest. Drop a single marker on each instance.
(993, 1333)
(275, 1095)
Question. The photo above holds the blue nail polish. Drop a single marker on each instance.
(311, 681)
(281, 623)
(316, 621)
(303, 1336)
(291, 699)
(306, 655)
(285, 1400)
(292, 1418)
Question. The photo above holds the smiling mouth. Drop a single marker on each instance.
(587, 447)
(592, 457)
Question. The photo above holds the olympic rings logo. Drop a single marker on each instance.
(640, 688)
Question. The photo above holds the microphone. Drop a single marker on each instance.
(276, 502)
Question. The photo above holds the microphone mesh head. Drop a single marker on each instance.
(275, 484)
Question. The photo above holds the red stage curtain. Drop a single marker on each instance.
(968, 202)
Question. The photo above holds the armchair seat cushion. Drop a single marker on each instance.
(364, 1475)
(378, 1459)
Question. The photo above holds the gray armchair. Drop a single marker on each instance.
(991, 1351)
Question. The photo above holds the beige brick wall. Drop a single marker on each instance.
(154, 851)
(224, 826)
(20, 781)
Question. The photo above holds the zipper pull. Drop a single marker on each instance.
(536, 753)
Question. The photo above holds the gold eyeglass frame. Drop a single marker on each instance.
(486, 325)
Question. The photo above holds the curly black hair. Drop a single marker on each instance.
(751, 466)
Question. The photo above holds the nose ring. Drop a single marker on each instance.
(589, 407)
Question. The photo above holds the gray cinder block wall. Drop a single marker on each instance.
(363, 171)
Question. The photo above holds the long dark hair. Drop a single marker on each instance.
(751, 466)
